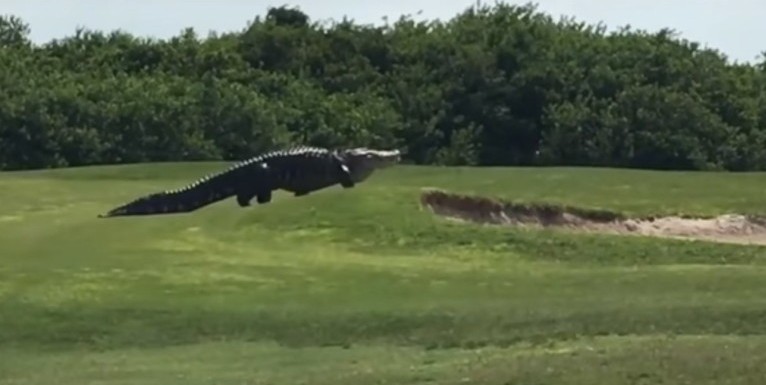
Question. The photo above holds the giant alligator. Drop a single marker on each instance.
(300, 170)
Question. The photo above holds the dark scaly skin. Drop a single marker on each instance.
(300, 170)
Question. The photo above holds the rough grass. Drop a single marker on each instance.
(362, 286)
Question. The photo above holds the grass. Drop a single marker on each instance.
(362, 286)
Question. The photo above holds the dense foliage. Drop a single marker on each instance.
(500, 85)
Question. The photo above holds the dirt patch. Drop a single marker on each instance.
(730, 228)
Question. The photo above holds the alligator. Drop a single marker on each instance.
(299, 170)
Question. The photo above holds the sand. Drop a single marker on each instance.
(729, 228)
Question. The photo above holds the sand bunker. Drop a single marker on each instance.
(731, 228)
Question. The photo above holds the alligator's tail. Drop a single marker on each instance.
(206, 191)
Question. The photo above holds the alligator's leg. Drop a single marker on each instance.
(345, 177)
(247, 191)
(244, 198)
(344, 174)
(264, 196)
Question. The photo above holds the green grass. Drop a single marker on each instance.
(363, 286)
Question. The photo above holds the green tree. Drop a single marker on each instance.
(494, 85)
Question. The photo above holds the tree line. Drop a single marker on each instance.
(494, 85)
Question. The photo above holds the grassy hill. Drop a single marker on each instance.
(364, 286)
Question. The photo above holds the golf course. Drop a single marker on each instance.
(371, 286)
(516, 196)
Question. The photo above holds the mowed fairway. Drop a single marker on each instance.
(362, 286)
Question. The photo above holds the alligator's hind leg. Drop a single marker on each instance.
(262, 192)
(244, 198)
(264, 196)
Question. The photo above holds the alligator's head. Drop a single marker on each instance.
(362, 161)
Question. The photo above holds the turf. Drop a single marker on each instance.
(363, 286)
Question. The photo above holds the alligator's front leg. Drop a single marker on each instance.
(345, 177)
(344, 173)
